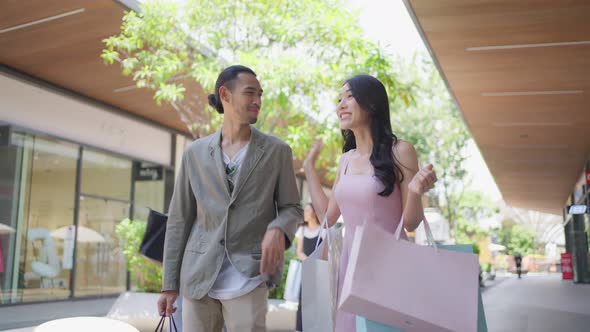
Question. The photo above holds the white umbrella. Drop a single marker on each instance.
(84, 234)
(5, 229)
(88, 324)
(496, 247)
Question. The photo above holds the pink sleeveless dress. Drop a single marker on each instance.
(358, 198)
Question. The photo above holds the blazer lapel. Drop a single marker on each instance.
(253, 155)
(215, 153)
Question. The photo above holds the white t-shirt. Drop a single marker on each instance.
(309, 233)
(230, 283)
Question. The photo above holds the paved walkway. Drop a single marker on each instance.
(26, 315)
(538, 303)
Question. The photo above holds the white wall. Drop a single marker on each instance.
(32, 107)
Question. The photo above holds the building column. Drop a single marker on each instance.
(580, 249)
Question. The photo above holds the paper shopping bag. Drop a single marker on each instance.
(293, 282)
(320, 283)
(412, 287)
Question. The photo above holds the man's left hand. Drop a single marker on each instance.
(273, 251)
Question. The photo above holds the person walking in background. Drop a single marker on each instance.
(307, 237)
(518, 263)
(234, 211)
(378, 178)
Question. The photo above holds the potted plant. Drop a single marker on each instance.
(138, 307)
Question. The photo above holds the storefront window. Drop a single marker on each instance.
(105, 175)
(44, 256)
(100, 264)
(104, 202)
(38, 177)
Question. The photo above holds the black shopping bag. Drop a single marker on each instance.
(161, 324)
(152, 244)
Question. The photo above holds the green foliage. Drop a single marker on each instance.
(475, 206)
(279, 291)
(517, 238)
(469, 232)
(301, 50)
(146, 274)
(472, 207)
(433, 124)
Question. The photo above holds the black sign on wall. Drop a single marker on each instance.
(148, 172)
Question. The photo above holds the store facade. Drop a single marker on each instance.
(70, 171)
(577, 227)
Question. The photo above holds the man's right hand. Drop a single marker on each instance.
(166, 303)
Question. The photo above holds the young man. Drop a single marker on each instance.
(234, 211)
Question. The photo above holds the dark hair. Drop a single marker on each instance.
(227, 78)
(371, 95)
(316, 216)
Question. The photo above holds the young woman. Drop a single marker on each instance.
(378, 176)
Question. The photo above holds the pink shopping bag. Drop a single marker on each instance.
(416, 288)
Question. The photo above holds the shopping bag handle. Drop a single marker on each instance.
(429, 235)
(162, 323)
(323, 225)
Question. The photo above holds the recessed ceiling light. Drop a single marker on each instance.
(43, 20)
(517, 46)
(125, 89)
(134, 87)
(531, 172)
(525, 190)
(534, 175)
(533, 124)
(531, 93)
(534, 161)
(533, 146)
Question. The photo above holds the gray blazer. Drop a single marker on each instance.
(204, 220)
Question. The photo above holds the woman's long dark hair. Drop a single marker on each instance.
(371, 96)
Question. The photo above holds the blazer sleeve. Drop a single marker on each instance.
(181, 217)
(287, 201)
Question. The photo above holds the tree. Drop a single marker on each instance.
(146, 275)
(473, 207)
(543, 225)
(301, 50)
(517, 238)
(469, 232)
(434, 126)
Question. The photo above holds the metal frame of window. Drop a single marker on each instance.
(167, 170)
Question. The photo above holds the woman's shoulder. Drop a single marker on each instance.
(346, 154)
(401, 144)
(403, 149)
(299, 233)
